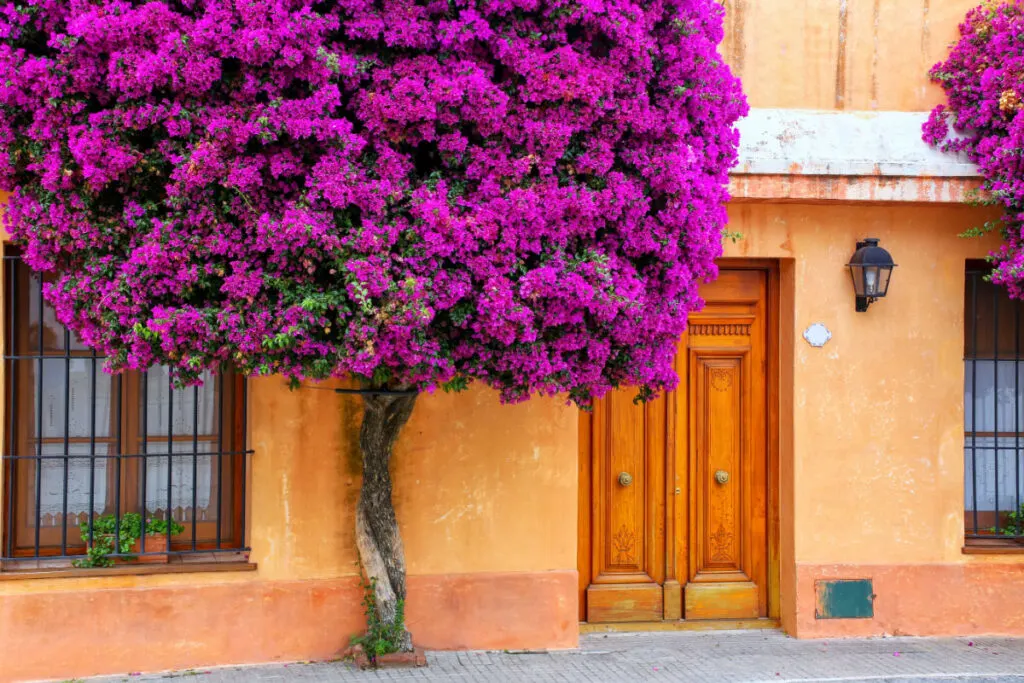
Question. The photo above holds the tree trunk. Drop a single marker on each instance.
(380, 545)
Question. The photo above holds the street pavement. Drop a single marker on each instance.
(715, 657)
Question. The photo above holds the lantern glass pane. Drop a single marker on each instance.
(883, 280)
(858, 279)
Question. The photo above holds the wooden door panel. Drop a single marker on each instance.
(718, 390)
(623, 520)
(627, 509)
(624, 603)
(722, 600)
(726, 415)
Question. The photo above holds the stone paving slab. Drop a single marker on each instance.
(717, 657)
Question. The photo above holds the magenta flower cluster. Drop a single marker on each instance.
(414, 192)
(984, 83)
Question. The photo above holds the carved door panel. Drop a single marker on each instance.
(727, 450)
(628, 509)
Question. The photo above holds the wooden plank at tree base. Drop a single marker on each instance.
(620, 603)
(738, 600)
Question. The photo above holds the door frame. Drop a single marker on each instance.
(676, 470)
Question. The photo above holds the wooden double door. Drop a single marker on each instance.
(677, 495)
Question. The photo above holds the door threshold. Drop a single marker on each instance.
(682, 625)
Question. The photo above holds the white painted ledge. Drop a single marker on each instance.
(796, 155)
(805, 142)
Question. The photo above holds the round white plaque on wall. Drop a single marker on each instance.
(817, 335)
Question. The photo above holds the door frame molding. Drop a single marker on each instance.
(677, 510)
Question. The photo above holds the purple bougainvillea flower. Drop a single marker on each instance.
(526, 193)
(984, 83)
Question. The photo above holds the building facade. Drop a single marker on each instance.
(820, 470)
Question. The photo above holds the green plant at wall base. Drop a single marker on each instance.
(105, 528)
(381, 638)
(1014, 524)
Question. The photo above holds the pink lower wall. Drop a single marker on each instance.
(947, 599)
(64, 634)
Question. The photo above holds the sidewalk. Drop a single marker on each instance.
(716, 657)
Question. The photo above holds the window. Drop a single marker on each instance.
(993, 411)
(82, 443)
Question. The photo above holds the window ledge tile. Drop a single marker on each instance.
(202, 563)
(993, 547)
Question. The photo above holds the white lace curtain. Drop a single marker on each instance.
(87, 477)
(993, 465)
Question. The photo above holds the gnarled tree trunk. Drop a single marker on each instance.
(380, 544)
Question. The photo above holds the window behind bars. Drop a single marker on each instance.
(993, 410)
(81, 443)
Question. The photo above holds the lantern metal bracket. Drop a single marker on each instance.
(863, 301)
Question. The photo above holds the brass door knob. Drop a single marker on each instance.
(625, 479)
(721, 476)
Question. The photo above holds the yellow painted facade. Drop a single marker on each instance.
(871, 452)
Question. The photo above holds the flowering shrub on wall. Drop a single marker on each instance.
(984, 83)
(415, 192)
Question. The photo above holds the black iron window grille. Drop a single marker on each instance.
(84, 448)
(993, 411)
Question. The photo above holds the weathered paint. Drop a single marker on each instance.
(829, 143)
(863, 189)
(485, 495)
(840, 54)
(462, 463)
(878, 412)
(928, 599)
(799, 155)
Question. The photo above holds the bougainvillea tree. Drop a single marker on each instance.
(412, 193)
(983, 78)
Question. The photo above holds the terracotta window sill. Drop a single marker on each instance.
(185, 564)
(995, 546)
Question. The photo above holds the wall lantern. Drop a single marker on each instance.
(871, 268)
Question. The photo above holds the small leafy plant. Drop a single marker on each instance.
(1014, 524)
(158, 527)
(381, 637)
(106, 527)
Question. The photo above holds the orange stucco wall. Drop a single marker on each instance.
(872, 434)
(464, 462)
(874, 473)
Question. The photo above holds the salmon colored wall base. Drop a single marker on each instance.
(89, 632)
(921, 600)
(518, 611)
